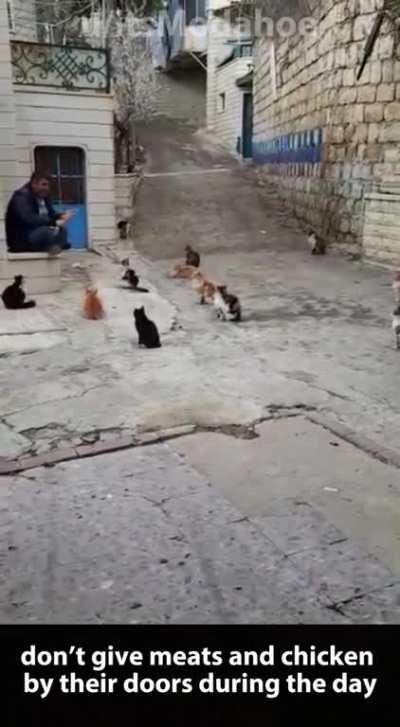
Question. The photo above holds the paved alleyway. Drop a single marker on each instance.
(281, 501)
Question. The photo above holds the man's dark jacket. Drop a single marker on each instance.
(22, 217)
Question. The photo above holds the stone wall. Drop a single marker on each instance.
(381, 234)
(322, 137)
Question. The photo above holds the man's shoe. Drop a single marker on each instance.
(54, 250)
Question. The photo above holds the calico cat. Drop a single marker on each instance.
(14, 296)
(317, 246)
(227, 305)
(133, 280)
(92, 306)
(192, 257)
(204, 287)
(147, 330)
(396, 325)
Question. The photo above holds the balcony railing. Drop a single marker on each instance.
(68, 67)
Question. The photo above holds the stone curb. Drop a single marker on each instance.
(11, 467)
(383, 454)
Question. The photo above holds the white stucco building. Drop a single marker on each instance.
(56, 112)
(229, 79)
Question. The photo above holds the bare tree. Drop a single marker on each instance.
(135, 84)
(121, 26)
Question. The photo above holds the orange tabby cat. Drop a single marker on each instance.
(204, 287)
(92, 306)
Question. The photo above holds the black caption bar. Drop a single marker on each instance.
(270, 675)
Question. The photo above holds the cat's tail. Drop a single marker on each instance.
(29, 304)
(141, 290)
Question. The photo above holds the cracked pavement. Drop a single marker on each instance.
(261, 511)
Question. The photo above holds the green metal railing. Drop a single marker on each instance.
(68, 67)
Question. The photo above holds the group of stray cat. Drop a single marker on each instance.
(147, 330)
(227, 305)
(14, 298)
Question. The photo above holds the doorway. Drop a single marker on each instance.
(66, 165)
(247, 126)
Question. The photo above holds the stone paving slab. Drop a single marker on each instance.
(342, 571)
(298, 460)
(12, 444)
(382, 606)
(295, 526)
(139, 536)
(32, 320)
(29, 343)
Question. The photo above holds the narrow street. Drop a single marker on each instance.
(274, 496)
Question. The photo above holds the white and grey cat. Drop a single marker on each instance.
(227, 306)
(317, 246)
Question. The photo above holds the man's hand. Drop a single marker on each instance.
(67, 216)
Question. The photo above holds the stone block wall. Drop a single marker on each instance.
(322, 137)
(381, 234)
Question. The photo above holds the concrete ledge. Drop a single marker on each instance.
(132, 441)
(42, 272)
(49, 459)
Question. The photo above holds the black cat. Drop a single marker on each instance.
(133, 280)
(14, 295)
(147, 330)
(192, 257)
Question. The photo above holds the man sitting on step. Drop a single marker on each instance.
(32, 224)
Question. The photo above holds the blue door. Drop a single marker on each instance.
(247, 133)
(66, 165)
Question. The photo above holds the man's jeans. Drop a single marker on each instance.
(41, 239)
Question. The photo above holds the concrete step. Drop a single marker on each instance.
(41, 272)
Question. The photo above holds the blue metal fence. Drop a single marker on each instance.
(301, 146)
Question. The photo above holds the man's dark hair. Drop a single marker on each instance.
(37, 176)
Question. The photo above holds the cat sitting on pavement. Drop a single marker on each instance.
(14, 295)
(147, 329)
